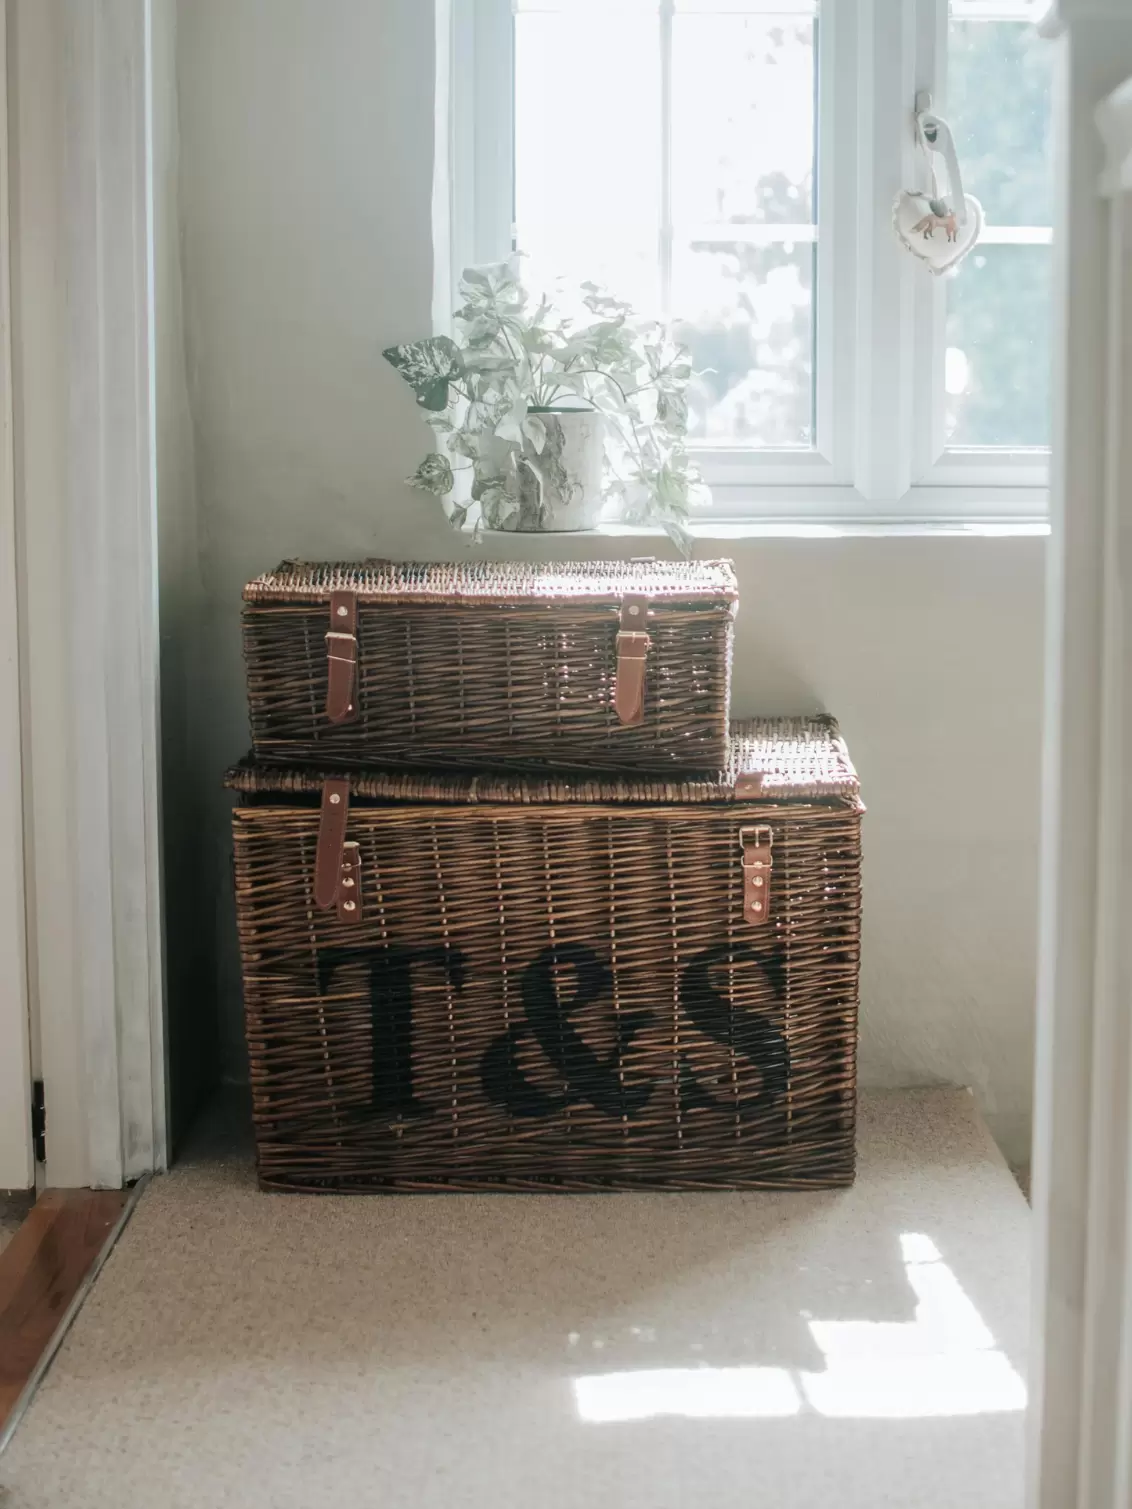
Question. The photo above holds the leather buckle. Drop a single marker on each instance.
(629, 640)
(341, 656)
(633, 645)
(756, 846)
(342, 642)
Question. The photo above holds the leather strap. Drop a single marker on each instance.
(341, 656)
(350, 884)
(748, 783)
(758, 860)
(331, 839)
(632, 651)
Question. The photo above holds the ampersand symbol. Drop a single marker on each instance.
(585, 1077)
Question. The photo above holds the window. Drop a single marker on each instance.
(731, 165)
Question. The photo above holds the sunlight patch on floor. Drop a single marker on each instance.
(944, 1363)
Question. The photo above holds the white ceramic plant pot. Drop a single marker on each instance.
(561, 485)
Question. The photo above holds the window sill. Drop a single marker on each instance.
(847, 528)
(731, 530)
(797, 514)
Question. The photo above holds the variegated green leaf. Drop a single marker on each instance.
(535, 431)
(434, 475)
(428, 367)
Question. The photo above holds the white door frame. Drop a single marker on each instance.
(17, 1165)
(84, 375)
(1080, 1423)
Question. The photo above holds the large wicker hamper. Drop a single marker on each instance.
(468, 982)
(588, 666)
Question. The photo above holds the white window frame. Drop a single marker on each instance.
(880, 455)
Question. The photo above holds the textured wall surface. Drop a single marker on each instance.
(306, 199)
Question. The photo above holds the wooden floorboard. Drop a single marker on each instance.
(41, 1270)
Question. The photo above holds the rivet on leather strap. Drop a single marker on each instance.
(341, 656)
(349, 901)
(758, 860)
(331, 841)
(632, 650)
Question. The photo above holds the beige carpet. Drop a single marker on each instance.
(855, 1350)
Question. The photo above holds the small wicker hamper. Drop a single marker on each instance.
(459, 981)
(589, 666)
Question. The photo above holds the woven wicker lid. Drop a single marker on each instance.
(496, 582)
(772, 760)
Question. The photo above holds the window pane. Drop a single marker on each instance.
(999, 106)
(725, 247)
(1000, 78)
(743, 118)
(998, 348)
(587, 180)
(746, 312)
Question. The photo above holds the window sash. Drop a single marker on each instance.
(971, 468)
(879, 451)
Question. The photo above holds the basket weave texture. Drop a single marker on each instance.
(503, 664)
(553, 984)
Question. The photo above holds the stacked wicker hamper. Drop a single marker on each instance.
(517, 909)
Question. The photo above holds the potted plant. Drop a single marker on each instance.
(541, 417)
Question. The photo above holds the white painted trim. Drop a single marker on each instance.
(1016, 235)
(1004, 10)
(930, 293)
(1106, 1403)
(804, 500)
(480, 77)
(444, 180)
(1060, 14)
(1114, 120)
(17, 1165)
(835, 346)
(667, 229)
(39, 362)
(1080, 1423)
(980, 526)
(89, 532)
(113, 602)
(987, 467)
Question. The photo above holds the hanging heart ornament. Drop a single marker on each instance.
(939, 229)
(931, 230)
